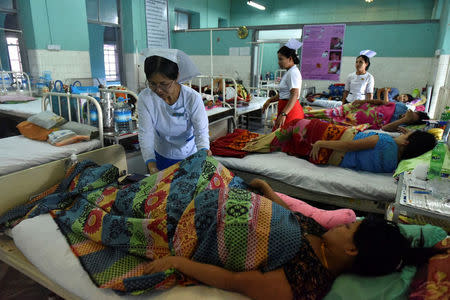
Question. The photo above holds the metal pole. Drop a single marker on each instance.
(211, 52)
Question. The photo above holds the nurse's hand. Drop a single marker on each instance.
(209, 152)
(358, 103)
(152, 167)
(280, 121)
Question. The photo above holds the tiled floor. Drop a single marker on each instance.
(16, 286)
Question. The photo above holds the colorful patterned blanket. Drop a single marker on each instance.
(296, 139)
(374, 115)
(299, 136)
(195, 209)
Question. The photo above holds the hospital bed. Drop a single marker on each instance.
(45, 266)
(301, 179)
(364, 191)
(15, 86)
(226, 112)
(19, 153)
(54, 265)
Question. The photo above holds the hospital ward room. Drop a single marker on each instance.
(225, 149)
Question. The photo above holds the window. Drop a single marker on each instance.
(111, 62)
(14, 54)
(102, 11)
(181, 20)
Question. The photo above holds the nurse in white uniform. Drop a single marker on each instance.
(172, 118)
(289, 107)
(359, 84)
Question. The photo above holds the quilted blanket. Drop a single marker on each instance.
(196, 209)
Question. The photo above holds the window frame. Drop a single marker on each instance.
(189, 23)
(108, 77)
(18, 52)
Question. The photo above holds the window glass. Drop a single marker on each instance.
(108, 11)
(92, 10)
(14, 54)
(182, 20)
(6, 4)
(111, 62)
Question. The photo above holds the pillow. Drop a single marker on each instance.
(33, 132)
(60, 135)
(46, 119)
(81, 129)
(72, 140)
(391, 286)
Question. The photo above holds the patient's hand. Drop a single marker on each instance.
(403, 130)
(162, 264)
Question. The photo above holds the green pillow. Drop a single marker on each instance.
(391, 286)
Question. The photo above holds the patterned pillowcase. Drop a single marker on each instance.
(81, 129)
(46, 119)
(60, 135)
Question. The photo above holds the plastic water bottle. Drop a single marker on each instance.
(122, 116)
(93, 114)
(437, 160)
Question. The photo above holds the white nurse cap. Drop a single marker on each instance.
(293, 44)
(186, 67)
(368, 53)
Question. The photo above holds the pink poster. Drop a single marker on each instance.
(322, 51)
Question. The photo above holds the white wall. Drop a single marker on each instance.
(225, 65)
(62, 64)
(406, 74)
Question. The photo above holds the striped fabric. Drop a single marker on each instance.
(195, 209)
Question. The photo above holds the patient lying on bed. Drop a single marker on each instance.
(376, 113)
(324, 143)
(196, 222)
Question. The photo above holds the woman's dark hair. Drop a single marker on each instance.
(419, 143)
(366, 60)
(288, 52)
(410, 97)
(157, 64)
(383, 249)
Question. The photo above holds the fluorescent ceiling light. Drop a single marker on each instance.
(256, 5)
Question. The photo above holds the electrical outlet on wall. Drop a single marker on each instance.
(54, 47)
(437, 52)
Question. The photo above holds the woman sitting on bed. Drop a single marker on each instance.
(371, 247)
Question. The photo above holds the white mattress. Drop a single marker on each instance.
(216, 110)
(23, 110)
(19, 153)
(42, 243)
(326, 179)
(255, 104)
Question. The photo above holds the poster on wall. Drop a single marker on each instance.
(322, 51)
(157, 19)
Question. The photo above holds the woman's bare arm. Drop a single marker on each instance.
(267, 191)
(346, 146)
(254, 284)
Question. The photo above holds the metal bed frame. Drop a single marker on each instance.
(80, 100)
(231, 113)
